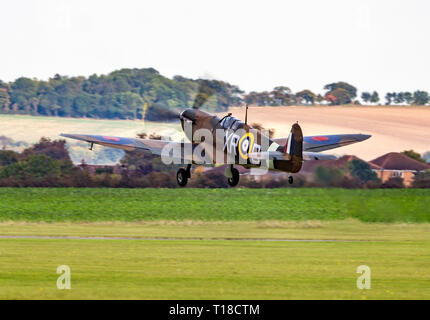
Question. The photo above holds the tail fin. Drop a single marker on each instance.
(294, 148)
(294, 145)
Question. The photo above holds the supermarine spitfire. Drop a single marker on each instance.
(228, 140)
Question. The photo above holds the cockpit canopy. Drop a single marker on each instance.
(231, 122)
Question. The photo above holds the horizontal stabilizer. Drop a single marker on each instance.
(269, 155)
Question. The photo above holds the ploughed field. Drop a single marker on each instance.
(393, 128)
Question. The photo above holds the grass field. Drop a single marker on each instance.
(217, 243)
(216, 269)
(67, 204)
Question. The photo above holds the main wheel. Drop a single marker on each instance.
(234, 180)
(182, 177)
(290, 180)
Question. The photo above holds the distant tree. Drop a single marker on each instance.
(319, 98)
(366, 97)
(389, 97)
(421, 97)
(426, 156)
(34, 166)
(8, 157)
(422, 180)
(121, 94)
(362, 171)
(351, 90)
(208, 180)
(327, 176)
(374, 97)
(280, 96)
(339, 96)
(264, 99)
(251, 98)
(399, 98)
(408, 97)
(307, 95)
(142, 163)
(55, 149)
(413, 155)
(4, 96)
(331, 99)
(283, 90)
(395, 183)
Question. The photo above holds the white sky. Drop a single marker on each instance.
(373, 44)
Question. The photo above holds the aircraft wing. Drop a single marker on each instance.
(276, 155)
(131, 144)
(327, 142)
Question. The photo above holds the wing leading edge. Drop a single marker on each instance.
(127, 144)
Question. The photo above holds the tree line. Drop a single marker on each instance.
(130, 94)
(48, 164)
(122, 94)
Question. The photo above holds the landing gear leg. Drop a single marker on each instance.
(290, 179)
(183, 175)
(234, 180)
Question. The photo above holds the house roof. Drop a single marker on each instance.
(399, 161)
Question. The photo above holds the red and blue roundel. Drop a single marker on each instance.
(114, 140)
(330, 139)
(111, 138)
(320, 138)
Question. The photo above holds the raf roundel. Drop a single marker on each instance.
(111, 138)
(320, 138)
(246, 143)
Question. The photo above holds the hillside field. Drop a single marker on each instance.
(393, 128)
(30, 129)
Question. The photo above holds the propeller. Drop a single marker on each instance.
(160, 112)
(206, 90)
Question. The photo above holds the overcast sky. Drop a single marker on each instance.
(373, 44)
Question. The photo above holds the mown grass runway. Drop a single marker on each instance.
(228, 257)
(133, 269)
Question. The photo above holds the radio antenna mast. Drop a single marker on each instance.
(246, 114)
